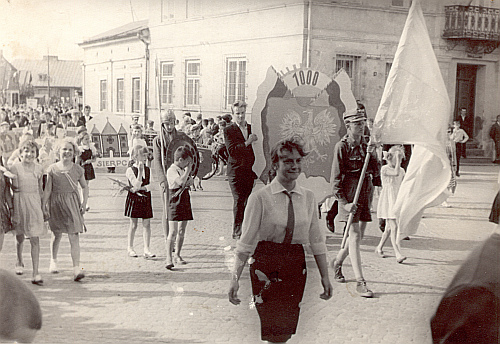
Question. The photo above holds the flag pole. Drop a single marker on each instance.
(356, 195)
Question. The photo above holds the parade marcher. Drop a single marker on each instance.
(349, 157)
(62, 204)
(238, 138)
(279, 219)
(179, 203)
(88, 154)
(392, 176)
(460, 137)
(138, 203)
(28, 216)
(160, 163)
(495, 136)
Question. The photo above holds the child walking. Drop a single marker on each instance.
(179, 205)
(88, 154)
(138, 203)
(65, 211)
(392, 175)
(28, 216)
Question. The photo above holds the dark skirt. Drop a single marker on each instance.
(139, 207)
(278, 277)
(495, 209)
(179, 208)
(89, 171)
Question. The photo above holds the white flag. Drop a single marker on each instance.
(415, 109)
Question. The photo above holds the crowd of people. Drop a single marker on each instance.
(45, 176)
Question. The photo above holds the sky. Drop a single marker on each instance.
(31, 28)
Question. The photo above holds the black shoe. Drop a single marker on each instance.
(406, 238)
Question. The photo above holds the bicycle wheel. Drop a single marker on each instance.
(215, 167)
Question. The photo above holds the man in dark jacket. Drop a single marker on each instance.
(238, 138)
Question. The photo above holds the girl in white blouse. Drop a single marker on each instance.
(279, 219)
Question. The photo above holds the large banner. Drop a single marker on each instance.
(307, 103)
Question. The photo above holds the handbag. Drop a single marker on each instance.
(75, 190)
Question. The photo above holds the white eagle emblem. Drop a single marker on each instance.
(316, 131)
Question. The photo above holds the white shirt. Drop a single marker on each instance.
(266, 216)
(244, 130)
(174, 179)
(135, 181)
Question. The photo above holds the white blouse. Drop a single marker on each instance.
(266, 216)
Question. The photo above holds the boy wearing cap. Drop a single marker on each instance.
(349, 156)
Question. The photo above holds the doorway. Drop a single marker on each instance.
(465, 95)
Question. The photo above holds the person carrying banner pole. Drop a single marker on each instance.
(354, 172)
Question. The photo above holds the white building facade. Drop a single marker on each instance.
(202, 55)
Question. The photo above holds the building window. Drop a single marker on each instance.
(350, 63)
(120, 102)
(192, 91)
(104, 95)
(167, 83)
(236, 71)
(136, 95)
(388, 67)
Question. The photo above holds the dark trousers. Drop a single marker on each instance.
(497, 151)
(241, 187)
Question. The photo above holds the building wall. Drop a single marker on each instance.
(370, 30)
(269, 36)
(273, 33)
(119, 59)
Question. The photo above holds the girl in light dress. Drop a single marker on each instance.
(138, 203)
(28, 216)
(392, 175)
(61, 203)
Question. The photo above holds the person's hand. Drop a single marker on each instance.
(233, 292)
(46, 214)
(351, 207)
(327, 288)
(371, 147)
(83, 209)
(252, 138)
(163, 186)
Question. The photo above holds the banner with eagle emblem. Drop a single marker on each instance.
(307, 103)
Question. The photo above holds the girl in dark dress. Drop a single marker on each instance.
(88, 154)
(179, 205)
(138, 203)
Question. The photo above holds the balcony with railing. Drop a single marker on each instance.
(478, 28)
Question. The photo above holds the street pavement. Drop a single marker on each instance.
(134, 300)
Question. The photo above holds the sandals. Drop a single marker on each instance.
(149, 255)
(37, 280)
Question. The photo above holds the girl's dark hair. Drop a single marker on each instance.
(182, 152)
(295, 142)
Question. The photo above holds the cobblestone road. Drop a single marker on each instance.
(134, 300)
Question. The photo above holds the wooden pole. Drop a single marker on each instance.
(356, 196)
